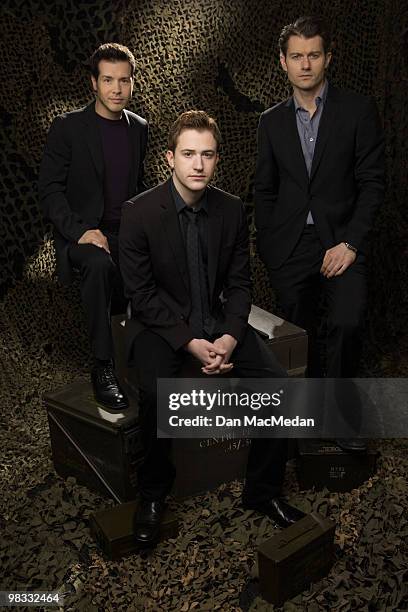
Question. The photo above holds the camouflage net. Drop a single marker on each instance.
(222, 57)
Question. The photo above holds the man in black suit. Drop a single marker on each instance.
(92, 163)
(318, 183)
(182, 245)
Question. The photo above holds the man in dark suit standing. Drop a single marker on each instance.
(182, 245)
(92, 163)
(318, 183)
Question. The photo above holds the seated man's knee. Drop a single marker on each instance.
(99, 262)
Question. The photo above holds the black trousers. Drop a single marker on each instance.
(299, 283)
(153, 358)
(101, 290)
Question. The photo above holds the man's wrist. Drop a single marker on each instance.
(187, 344)
(350, 247)
(228, 338)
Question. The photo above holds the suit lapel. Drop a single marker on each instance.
(291, 135)
(133, 156)
(93, 138)
(215, 227)
(325, 129)
(171, 225)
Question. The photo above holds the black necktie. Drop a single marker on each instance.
(193, 262)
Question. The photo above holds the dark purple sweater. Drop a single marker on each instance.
(116, 155)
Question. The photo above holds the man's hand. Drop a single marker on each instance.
(202, 350)
(223, 347)
(95, 237)
(337, 260)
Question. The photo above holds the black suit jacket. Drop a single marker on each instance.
(154, 266)
(71, 176)
(346, 183)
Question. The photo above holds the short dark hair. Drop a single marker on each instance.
(308, 27)
(193, 120)
(111, 52)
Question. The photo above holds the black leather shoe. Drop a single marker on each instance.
(352, 445)
(106, 387)
(146, 522)
(279, 511)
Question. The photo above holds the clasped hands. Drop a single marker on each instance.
(215, 355)
(337, 260)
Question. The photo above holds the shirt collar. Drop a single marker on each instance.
(202, 204)
(320, 98)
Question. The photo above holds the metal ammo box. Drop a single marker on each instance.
(101, 448)
(295, 557)
(321, 463)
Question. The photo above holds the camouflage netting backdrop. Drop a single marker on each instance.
(221, 56)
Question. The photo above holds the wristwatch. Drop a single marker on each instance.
(350, 246)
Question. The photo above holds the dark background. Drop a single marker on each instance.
(220, 56)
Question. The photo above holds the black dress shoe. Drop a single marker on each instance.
(106, 387)
(146, 522)
(279, 511)
(352, 445)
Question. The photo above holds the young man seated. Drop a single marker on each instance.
(182, 245)
(92, 162)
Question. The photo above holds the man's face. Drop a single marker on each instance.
(305, 62)
(194, 160)
(113, 88)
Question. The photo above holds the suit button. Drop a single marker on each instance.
(182, 317)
